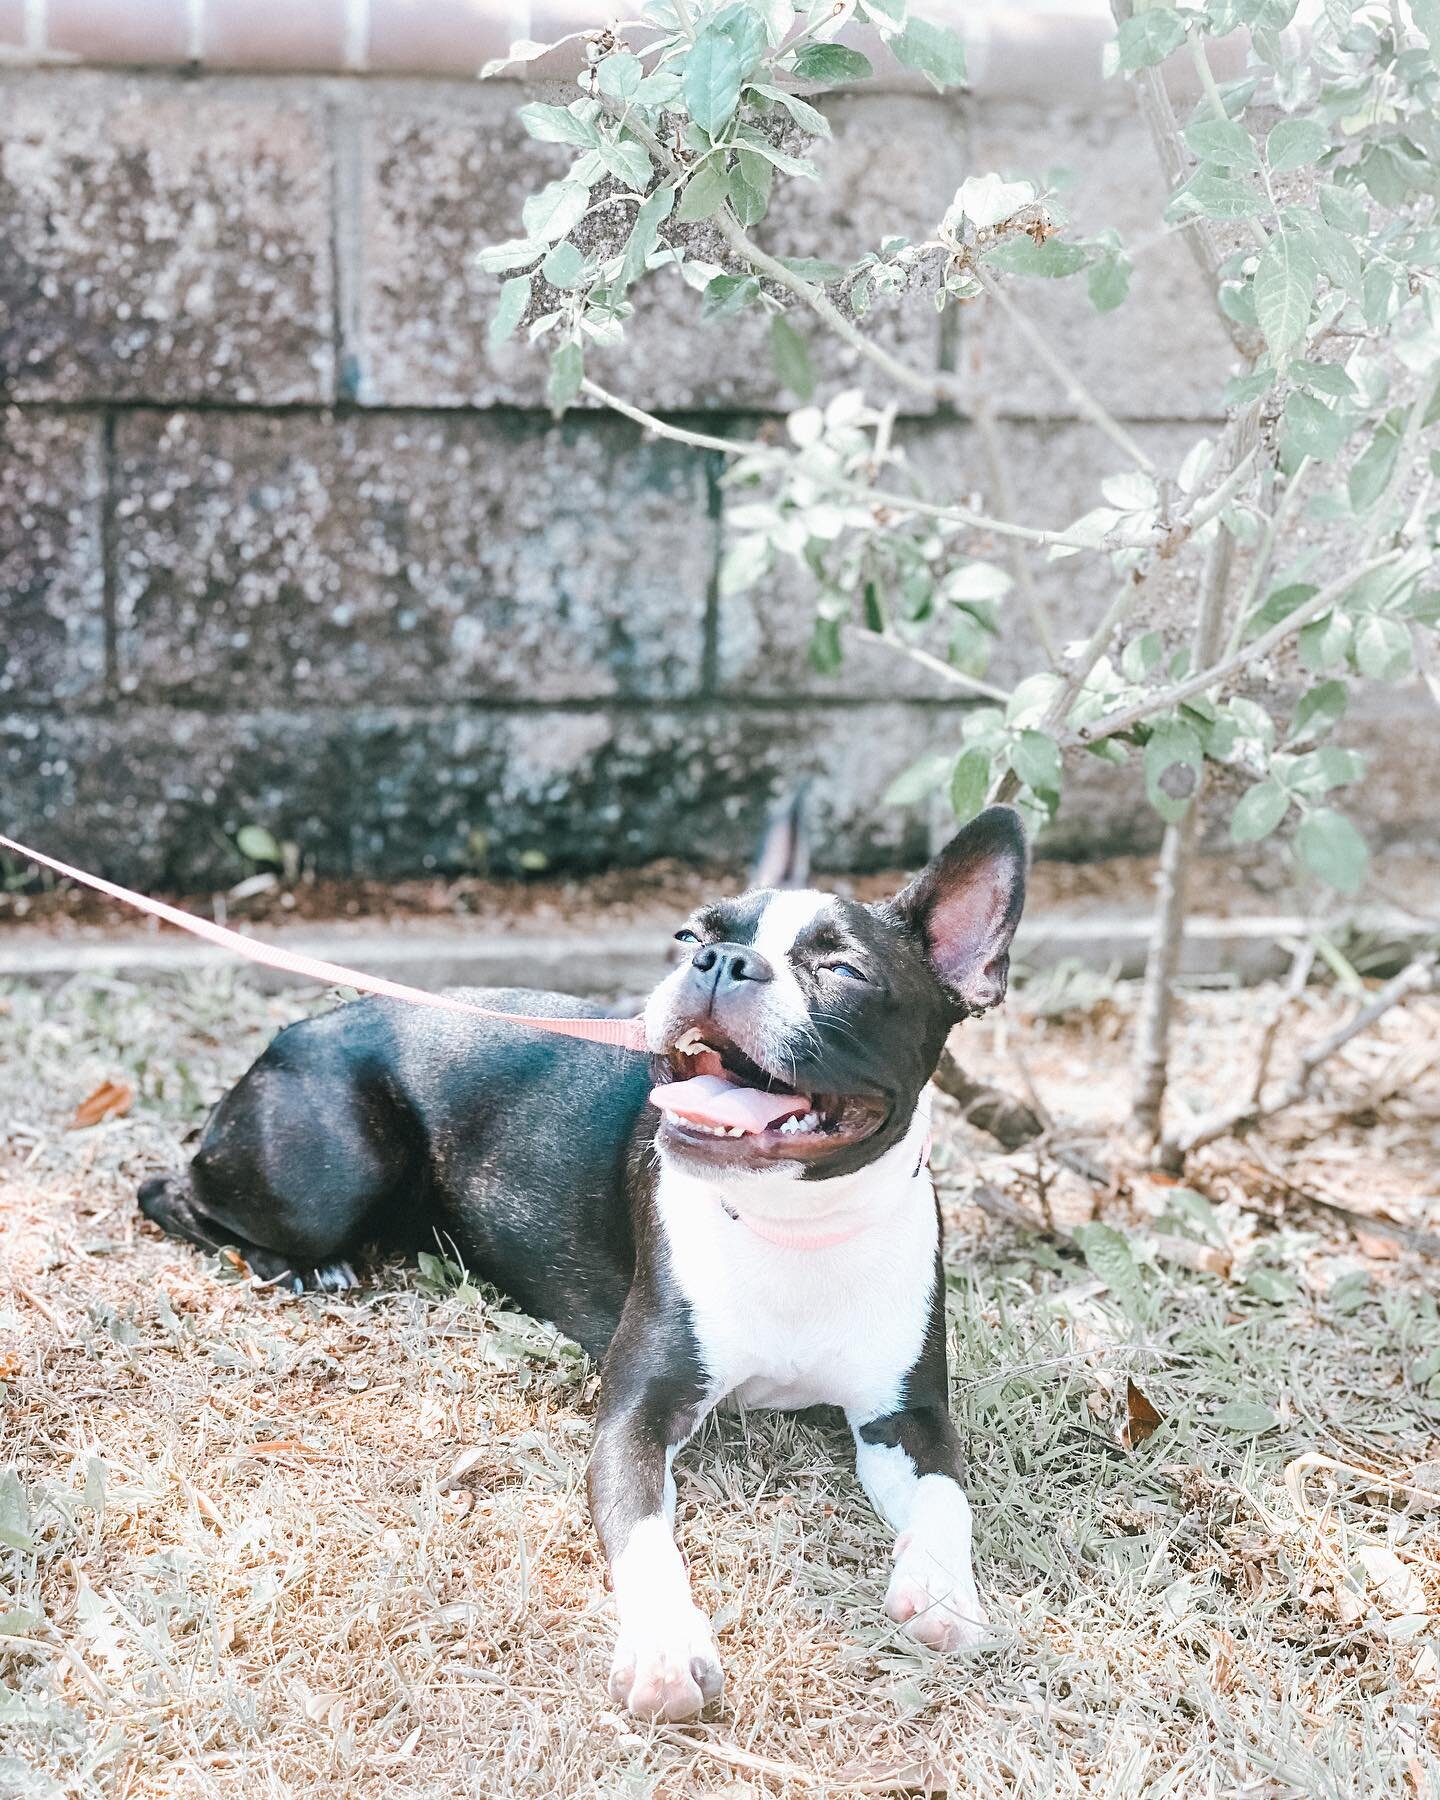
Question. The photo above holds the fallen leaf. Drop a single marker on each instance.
(1374, 1244)
(1141, 1418)
(277, 1447)
(1396, 1585)
(111, 1100)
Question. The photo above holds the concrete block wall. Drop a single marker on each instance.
(283, 540)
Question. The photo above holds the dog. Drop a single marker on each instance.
(746, 1216)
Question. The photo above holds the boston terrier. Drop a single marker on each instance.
(745, 1216)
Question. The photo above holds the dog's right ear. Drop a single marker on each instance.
(964, 906)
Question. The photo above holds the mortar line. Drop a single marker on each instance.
(109, 613)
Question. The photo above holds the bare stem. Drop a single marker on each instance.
(1312, 608)
(1418, 977)
(1020, 570)
(1152, 1048)
(936, 664)
(1084, 401)
(858, 490)
(1217, 108)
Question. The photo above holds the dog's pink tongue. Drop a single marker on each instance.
(712, 1100)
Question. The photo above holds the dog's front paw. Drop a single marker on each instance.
(668, 1670)
(935, 1602)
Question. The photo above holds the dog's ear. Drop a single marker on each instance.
(965, 904)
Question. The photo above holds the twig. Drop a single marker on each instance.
(955, 515)
(1217, 107)
(1312, 608)
(984, 416)
(1279, 520)
(936, 664)
(1085, 402)
(1417, 977)
(1424, 1242)
(1152, 1038)
(989, 1109)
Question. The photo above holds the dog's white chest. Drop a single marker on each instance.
(838, 1325)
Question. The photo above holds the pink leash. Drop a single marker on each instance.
(625, 1034)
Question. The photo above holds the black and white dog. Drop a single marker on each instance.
(765, 1232)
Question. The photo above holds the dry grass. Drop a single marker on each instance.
(300, 1547)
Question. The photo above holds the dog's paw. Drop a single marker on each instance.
(667, 1671)
(935, 1601)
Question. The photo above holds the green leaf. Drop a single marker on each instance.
(933, 50)
(255, 841)
(807, 117)
(1320, 709)
(711, 82)
(1260, 810)
(1110, 1258)
(498, 258)
(620, 74)
(728, 294)
(1108, 281)
(14, 1513)
(1173, 761)
(706, 191)
(1382, 648)
(920, 779)
(970, 784)
(1140, 655)
(1035, 758)
(1296, 143)
(558, 125)
(1329, 846)
(1149, 37)
(563, 267)
(791, 357)
(1345, 209)
(1246, 1418)
(644, 235)
(1284, 288)
(1324, 641)
(1217, 196)
(1021, 255)
(1373, 469)
(1272, 1285)
(750, 182)
(514, 298)
(556, 210)
(830, 64)
(812, 268)
(1222, 141)
(1311, 428)
(628, 162)
(1320, 770)
(567, 371)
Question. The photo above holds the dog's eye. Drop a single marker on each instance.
(848, 970)
(686, 936)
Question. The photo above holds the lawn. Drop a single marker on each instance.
(313, 1547)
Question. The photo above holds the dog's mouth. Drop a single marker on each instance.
(720, 1101)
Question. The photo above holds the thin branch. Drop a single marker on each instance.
(857, 490)
(935, 664)
(1418, 977)
(1312, 608)
(1279, 521)
(1085, 402)
(1152, 1039)
(1020, 570)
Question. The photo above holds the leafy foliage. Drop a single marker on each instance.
(1313, 179)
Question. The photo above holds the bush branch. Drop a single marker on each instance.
(1418, 977)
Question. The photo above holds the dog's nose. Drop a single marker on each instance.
(723, 966)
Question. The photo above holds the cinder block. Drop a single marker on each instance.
(52, 632)
(157, 798)
(273, 34)
(445, 172)
(282, 561)
(119, 31)
(1164, 353)
(165, 239)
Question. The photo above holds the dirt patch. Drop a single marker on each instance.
(318, 1546)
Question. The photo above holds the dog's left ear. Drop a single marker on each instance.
(965, 905)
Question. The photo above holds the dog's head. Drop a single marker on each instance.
(800, 1029)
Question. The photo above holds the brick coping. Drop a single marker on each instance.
(1022, 49)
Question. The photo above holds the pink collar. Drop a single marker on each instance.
(786, 1239)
